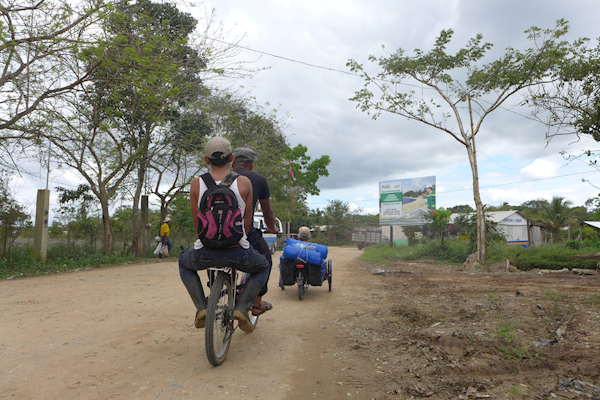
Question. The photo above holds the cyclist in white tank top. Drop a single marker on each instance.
(243, 257)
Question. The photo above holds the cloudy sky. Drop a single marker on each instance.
(304, 46)
(514, 162)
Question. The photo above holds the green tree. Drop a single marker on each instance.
(484, 90)
(339, 220)
(465, 225)
(149, 72)
(556, 214)
(38, 42)
(437, 224)
(532, 209)
(246, 124)
(502, 207)
(13, 218)
(571, 105)
(78, 208)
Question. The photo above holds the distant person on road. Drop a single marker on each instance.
(243, 164)
(164, 234)
(304, 234)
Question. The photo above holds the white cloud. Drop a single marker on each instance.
(540, 169)
(510, 196)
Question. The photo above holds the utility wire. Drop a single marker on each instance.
(484, 187)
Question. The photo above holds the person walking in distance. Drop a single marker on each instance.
(164, 234)
(243, 164)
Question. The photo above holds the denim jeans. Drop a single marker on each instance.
(258, 242)
(162, 240)
(245, 260)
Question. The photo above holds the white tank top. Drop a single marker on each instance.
(234, 186)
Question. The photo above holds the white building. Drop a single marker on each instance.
(519, 231)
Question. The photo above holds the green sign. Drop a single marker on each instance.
(391, 197)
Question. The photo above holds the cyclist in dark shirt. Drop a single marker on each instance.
(243, 164)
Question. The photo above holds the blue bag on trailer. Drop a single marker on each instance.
(323, 250)
(302, 253)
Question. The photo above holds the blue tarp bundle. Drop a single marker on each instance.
(311, 253)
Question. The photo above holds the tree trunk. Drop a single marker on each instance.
(4, 238)
(141, 176)
(69, 236)
(135, 215)
(106, 226)
(481, 232)
(481, 228)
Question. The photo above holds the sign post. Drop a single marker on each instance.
(40, 234)
(406, 202)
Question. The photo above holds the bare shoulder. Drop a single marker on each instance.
(242, 180)
(244, 185)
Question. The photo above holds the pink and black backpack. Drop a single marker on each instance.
(220, 222)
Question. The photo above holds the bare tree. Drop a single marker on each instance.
(486, 88)
(39, 40)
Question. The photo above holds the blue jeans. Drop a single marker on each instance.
(245, 260)
(162, 240)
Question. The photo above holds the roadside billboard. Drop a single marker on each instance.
(406, 201)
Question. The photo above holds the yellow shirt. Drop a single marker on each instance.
(164, 230)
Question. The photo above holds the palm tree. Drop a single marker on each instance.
(558, 212)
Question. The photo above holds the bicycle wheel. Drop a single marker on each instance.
(219, 319)
(329, 270)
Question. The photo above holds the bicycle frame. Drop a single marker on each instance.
(212, 275)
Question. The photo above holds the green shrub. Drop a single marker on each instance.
(585, 244)
(58, 258)
(548, 256)
(453, 251)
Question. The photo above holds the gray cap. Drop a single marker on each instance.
(242, 154)
(218, 145)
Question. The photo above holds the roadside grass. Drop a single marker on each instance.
(60, 259)
(507, 342)
(593, 299)
(492, 298)
(554, 296)
(549, 256)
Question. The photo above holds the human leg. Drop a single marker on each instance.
(191, 281)
(260, 245)
(250, 261)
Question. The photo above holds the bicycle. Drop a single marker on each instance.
(224, 293)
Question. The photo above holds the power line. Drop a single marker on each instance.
(311, 65)
(483, 187)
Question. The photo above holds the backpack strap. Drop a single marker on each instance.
(229, 178)
(209, 181)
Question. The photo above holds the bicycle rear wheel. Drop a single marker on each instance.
(219, 319)
(329, 271)
(302, 282)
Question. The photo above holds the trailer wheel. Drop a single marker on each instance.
(360, 246)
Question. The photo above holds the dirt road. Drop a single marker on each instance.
(127, 332)
(414, 330)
